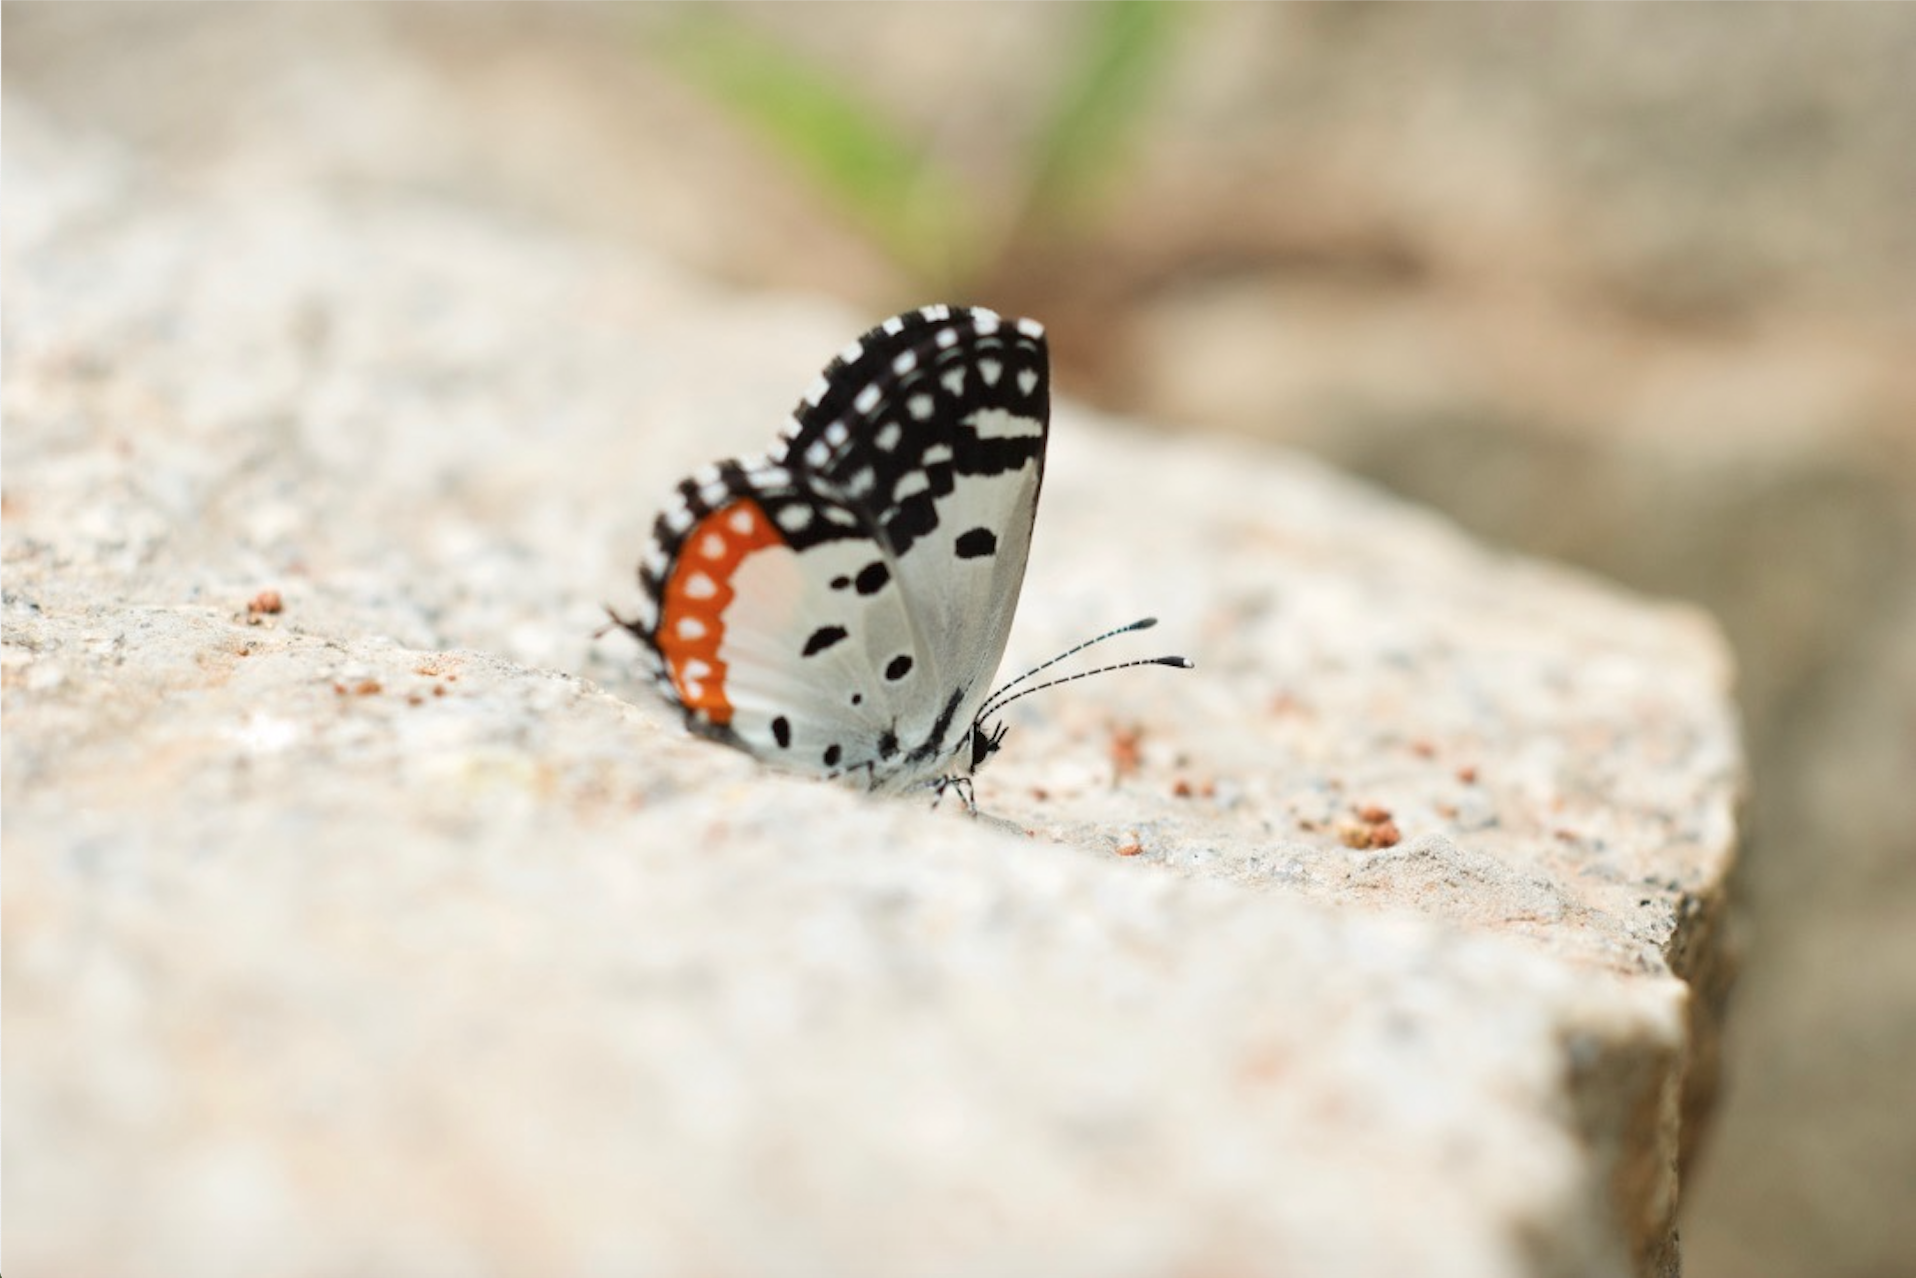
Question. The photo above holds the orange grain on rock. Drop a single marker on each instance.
(1126, 751)
(1263, 1065)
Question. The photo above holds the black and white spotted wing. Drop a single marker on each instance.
(841, 604)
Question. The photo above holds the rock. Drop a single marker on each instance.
(397, 928)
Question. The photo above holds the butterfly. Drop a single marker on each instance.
(840, 604)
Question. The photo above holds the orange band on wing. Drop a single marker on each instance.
(692, 616)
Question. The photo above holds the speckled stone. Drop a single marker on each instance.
(400, 930)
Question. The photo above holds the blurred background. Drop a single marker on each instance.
(1632, 287)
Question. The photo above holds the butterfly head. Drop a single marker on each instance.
(983, 741)
(986, 734)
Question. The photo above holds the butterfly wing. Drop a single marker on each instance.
(932, 427)
(842, 603)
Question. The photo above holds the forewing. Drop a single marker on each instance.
(932, 428)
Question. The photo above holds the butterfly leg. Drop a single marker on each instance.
(962, 785)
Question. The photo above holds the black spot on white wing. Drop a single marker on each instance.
(782, 732)
(898, 667)
(933, 746)
(872, 577)
(911, 521)
(977, 543)
(832, 755)
(823, 638)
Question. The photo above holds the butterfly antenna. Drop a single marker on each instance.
(998, 703)
(1143, 623)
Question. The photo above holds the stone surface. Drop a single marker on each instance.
(400, 930)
